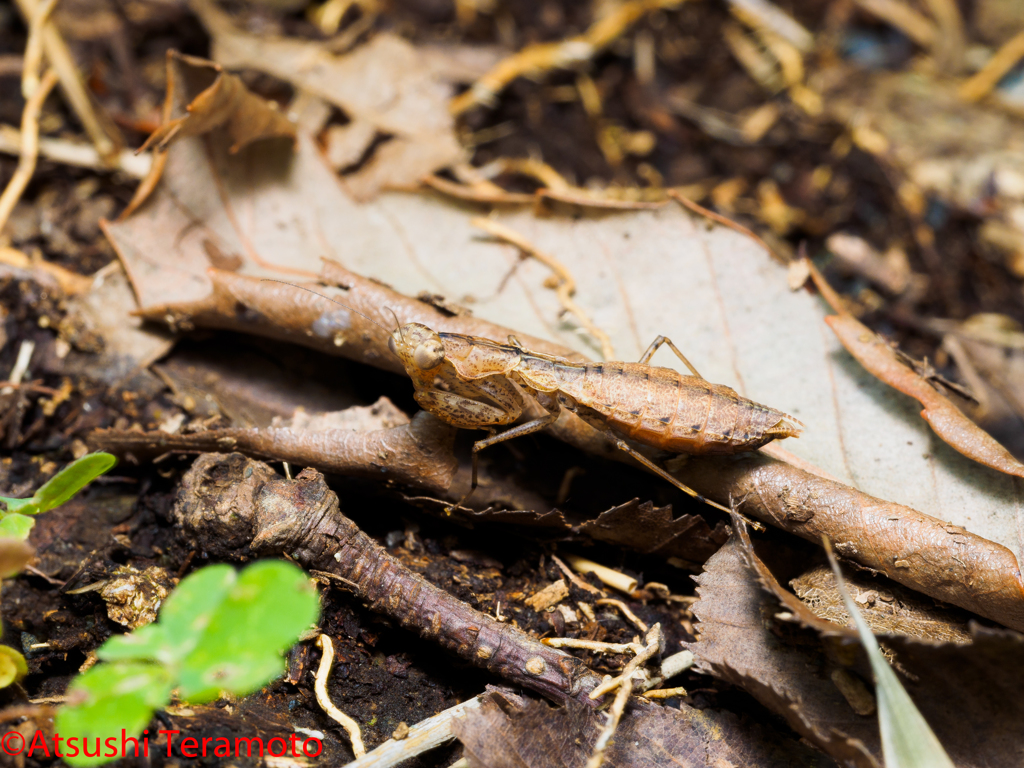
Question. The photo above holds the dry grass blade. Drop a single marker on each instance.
(102, 131)
(29, 147)
(907, 740)
(879, 357)
(988, 77)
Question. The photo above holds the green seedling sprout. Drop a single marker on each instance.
(14, 515)
(907, 739)
(220, 630)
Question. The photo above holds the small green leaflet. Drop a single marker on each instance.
(56, 491)
(220, 630)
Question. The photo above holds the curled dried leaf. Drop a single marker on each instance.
(218, 99)
(882, 361)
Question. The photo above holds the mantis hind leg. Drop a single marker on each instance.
(645, 358)
(622, 445)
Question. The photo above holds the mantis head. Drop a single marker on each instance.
(417, 346)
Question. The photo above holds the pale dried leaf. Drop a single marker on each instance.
(387, 83)
(638, 274)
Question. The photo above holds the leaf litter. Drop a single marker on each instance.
(758, 636)
(298, 210)
(777, 502)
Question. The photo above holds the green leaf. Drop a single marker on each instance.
(15, 526)
(118, 696)
(73, 478)
(184, 616)
(12, 666)
(265, 612)
(907, 739)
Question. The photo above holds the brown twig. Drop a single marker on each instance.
(231, 506)
(418, 454)
(985, 79)
(725, 221)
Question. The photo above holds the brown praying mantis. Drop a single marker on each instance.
(474, 383)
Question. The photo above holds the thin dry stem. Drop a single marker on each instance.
(566, 285)
(351, 726)
(571, 575)
(535, 60)
(632, 617)
(654, 642)
(29, 147)
(77, 153)
(905, 18)
(425, 735)
(614, 579)
(762, 14)
(592, 645)
(724, 221)
(102, 132)
(1005, 59)
(949, 45)
(664, 693)
(614, 715)
(33, 63)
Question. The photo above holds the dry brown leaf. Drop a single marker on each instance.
(888, 608)
(964, 691)
(937, 558)
(108, 343)
(880, 358)
(387, 83)
(216, 99)
(652, 530)
(510, 731)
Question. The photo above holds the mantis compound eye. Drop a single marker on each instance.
(428, 355)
